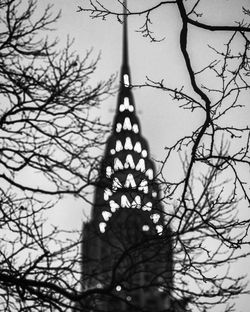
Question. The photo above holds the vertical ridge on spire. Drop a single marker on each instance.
(125, 72)
(125, 37)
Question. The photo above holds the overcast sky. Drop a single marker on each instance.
(162, 121)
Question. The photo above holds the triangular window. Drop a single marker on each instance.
(118, 146)
(143, 186)
(118, 164)
(116, 184)
(125, 202)
(137, 147)
(107, 193)
(140, 165)
(128, 144)
(129, 162)
(106, 215)
(113, 206)
(136, 202)
(130, 181)
(127, 124)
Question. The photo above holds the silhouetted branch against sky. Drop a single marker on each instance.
(51, 144)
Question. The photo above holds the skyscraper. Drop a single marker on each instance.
(127, 249)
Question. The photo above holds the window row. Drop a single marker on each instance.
(126, 106)
(128, 145)
(127, 125)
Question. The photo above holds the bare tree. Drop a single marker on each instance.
(47, 130)
(49, 141)
(210, 232)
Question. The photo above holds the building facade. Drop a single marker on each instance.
(127, 254)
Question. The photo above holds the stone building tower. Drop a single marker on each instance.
(126, 249)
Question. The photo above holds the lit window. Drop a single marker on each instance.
(118, 127)
(143, 186)
(144, 153)
(159, 229)
(102, 226)
(155, 217)
(109, 172)
(149, 173)
(106, 215)
(145, 228)
(137, 147)
(125, 202)
(118, 164)
(113, 206)
(136, 202)
(140, 165)
(107, 193)
(118, 146)
(118, 288)
(116, 184)
(147, 207)
(154, 194)
(112, 152)
(129, 162)
(130, 181)
(127, 124)
(128, 144)
(126, 80)
(135, 128)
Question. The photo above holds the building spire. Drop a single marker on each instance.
(125, 36)
(125, 72)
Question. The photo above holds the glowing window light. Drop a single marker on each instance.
(136, 202)
(116, 184)
(113, 206)
(107, 193)
(154, 194)
(102, 226)
(159, 229)
(145, 228)
(118, 288)
(109, 171)
(135, 128)
(118, 164)
(144, 153)
(149, 173)
(137, 147)
(128, 144)
(126, 106)
(143, 186)
(140, 165)
(106, 215)
(129, 162)
(118, 127)
(118, 146)
(147, 207)
(127, 124)
(126, 80)
(125, 202)
(112, 152)
(130, 181)
(155, 217)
